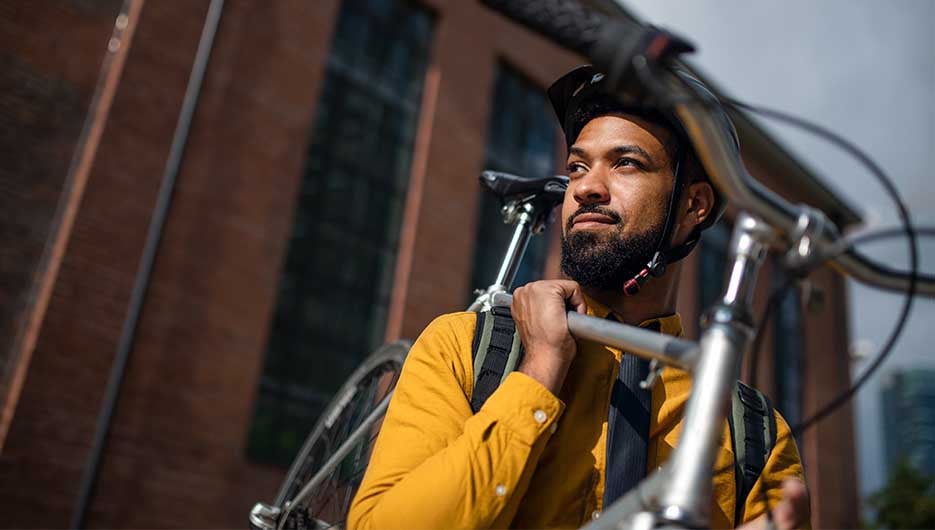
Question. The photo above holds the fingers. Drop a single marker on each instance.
(540, 313)
(791, 512)
(571, 292)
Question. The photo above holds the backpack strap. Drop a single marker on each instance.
(753, 435)
(496, 351)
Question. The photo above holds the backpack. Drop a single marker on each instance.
(497, 351)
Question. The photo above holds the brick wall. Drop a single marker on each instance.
(47, 79)
(175, 454)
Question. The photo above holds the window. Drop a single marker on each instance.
(712, 264)
(336, 280)
(788, 348)
(909, 418)
(521, 140)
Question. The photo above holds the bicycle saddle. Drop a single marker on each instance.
(507, 186)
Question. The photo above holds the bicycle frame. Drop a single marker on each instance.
(530, 217)
(680, 493)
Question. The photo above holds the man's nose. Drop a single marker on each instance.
(592, 189)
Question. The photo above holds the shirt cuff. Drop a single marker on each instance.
(525, 406)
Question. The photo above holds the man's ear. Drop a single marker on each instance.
(699, 204)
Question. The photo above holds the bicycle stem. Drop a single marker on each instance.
(729, 330)
(679, 495)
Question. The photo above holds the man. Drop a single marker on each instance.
(537, 452)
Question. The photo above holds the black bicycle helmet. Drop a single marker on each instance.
(577, 94)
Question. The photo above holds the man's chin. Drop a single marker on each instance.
(601, 261)
(585, 237)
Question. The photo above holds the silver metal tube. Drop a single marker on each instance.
(515, 252)
(688, 495)
(642, 498)
(687, 498)
(648, 344)
(632, 339)
(870, 273)
(732, 179)
(748, 245)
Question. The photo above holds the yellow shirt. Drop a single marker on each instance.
(527, 459)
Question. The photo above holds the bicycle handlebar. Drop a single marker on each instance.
(795, 221)
(568, 24)
(598, 37)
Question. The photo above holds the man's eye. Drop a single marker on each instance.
(575, 167)
(629, 162)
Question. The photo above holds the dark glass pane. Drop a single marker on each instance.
(336, 281)
(712, 263)
(787, 352)
(909, 418)
(521, 140)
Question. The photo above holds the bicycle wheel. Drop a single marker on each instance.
(327, 471)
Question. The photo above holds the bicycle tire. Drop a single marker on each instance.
(363, 392)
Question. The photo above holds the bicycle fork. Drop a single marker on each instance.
(679, 495)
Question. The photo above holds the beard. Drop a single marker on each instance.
(606, 260)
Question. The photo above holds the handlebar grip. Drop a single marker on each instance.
(567, 23)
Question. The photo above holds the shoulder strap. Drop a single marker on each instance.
(753, 432)
(496, 351)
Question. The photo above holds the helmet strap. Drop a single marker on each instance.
(664, 253)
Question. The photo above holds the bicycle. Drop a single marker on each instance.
(340, 437)
(637, 61)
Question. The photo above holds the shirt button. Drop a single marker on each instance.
(595, 514)
(540, 416)
(500, 490)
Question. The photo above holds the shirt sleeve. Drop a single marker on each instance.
(436, 464)
(784, 462)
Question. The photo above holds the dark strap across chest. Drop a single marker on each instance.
(628, 427)
(497, 351)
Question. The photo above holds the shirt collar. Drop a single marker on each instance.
(668, 324)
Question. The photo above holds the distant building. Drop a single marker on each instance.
(909, 419)
(327, 201)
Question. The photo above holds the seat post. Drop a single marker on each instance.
(527, 220)
(518, 243)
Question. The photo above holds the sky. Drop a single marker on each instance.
(865, 69)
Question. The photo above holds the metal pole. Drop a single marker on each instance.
(525, 220)
(141, 284)
(687, 498)
(648, 344)
(515, 252)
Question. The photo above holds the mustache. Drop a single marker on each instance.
(591, 208)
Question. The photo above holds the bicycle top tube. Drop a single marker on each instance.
(673, 351)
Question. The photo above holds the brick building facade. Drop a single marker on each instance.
(177, 450)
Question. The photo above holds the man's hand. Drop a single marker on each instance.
(792, 512)
(539, 312)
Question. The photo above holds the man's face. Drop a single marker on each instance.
(614, 210)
